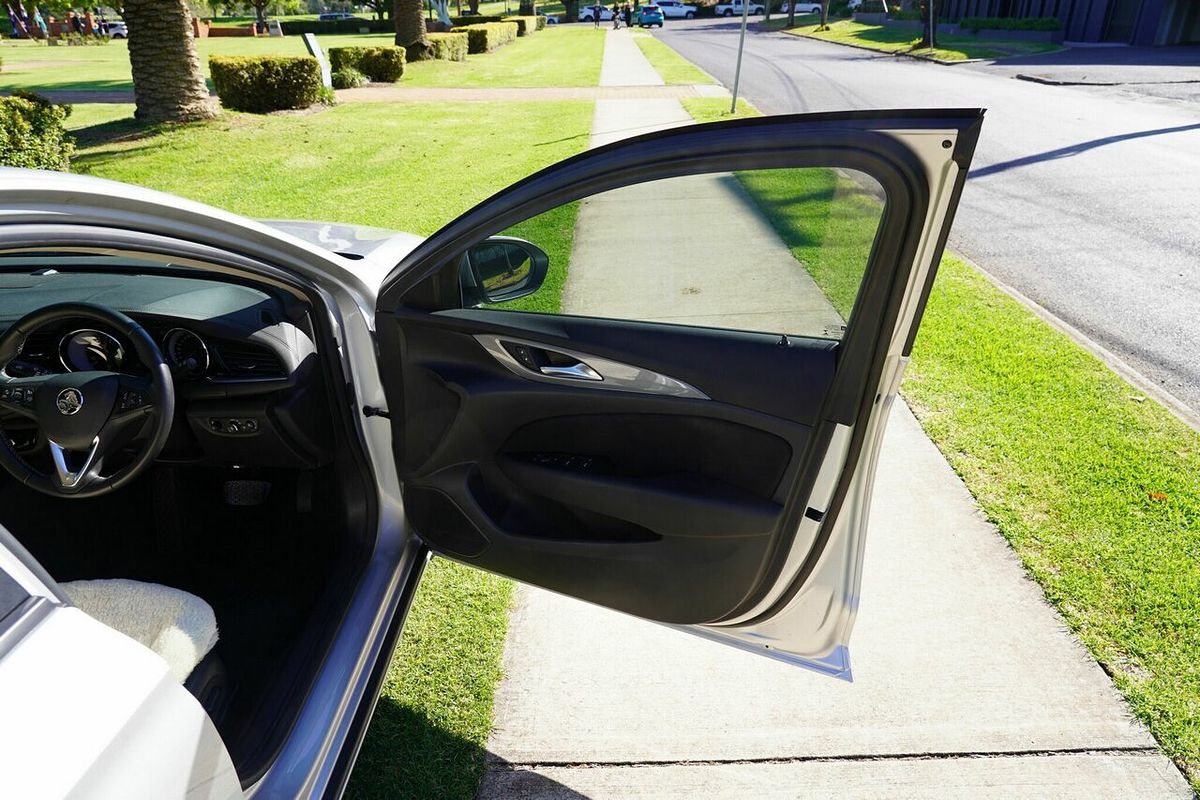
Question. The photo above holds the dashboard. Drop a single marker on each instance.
(242, 357)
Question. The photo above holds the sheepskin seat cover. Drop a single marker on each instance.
(177, 625)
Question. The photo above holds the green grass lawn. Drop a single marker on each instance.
(897, 40)
(552, 57)
(1096, 487)
(407, 166)
(412, 167)
(674, 68)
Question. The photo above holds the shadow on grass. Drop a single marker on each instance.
(408, 755)
(121, 130)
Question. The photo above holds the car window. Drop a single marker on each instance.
(807, 233)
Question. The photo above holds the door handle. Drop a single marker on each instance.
(578, 371)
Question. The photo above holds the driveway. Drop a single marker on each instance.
(1083, 199)
(966, 683)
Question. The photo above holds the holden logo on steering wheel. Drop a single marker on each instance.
(69, 401)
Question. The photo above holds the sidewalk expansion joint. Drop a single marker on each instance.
(499, 765)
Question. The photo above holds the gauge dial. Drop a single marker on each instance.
(90, 349)
(186, 352)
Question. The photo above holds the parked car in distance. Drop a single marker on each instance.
(676, 9)
(801, 8)
(117, 30)
(334, 16)
(650, 15)
(735, 9)
(592, 13)
(550, 18)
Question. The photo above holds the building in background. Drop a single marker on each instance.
(1142, 22)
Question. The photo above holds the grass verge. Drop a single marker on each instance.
(903, 40)
(387, 166)
(1096, 487)
(674, 68)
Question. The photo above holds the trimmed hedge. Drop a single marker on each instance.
(380, 64)
(33, 134)
(266, 83)
(487, 37)
(525, 25)
(1010, 23)
(297, 27)
(447, 46)
(383, 64)
(348, 78)
(906, 16)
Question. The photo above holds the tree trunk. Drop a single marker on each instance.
(168, 84)
(824, 14)
(570, 10)
(473, 7)
(791, 13)
(410, 28)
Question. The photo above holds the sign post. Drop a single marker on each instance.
(737, 72)
(314, 50)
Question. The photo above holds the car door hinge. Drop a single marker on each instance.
(372, 411)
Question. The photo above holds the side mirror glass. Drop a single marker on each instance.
(502, 268)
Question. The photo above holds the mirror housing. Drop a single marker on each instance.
(501, 268)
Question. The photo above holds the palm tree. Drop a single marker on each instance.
(410, 28)
(168, 84)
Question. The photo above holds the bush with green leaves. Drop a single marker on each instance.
(525, 25)
(348, 78)
(383, 64)
(906, 16)
(33, 133)
(1010, 23)
(380, 64)
(266, 83)
(490, 35)
(447, 46)
(541, 22)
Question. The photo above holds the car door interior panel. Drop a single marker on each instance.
(538, 475)
(678, 499)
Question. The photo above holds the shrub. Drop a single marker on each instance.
(348, 78)
(525, 25)
(870, 7)
(447, 46)
(32, 133)
(906, 16)
(1010, 23)
(266, 83)
(541, 23)
(381, 64)
(490, 35)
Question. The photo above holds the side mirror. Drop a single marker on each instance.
(502, 268)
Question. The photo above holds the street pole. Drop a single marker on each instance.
(737, 72)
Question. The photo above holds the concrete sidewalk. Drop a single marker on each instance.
(966, 683)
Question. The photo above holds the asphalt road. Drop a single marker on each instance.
(1084, 199)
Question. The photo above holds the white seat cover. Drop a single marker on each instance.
(177, 625)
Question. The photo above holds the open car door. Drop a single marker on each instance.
(655, 376)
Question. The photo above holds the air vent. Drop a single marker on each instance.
(242, 360)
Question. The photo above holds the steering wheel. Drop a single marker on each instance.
(86, 416)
